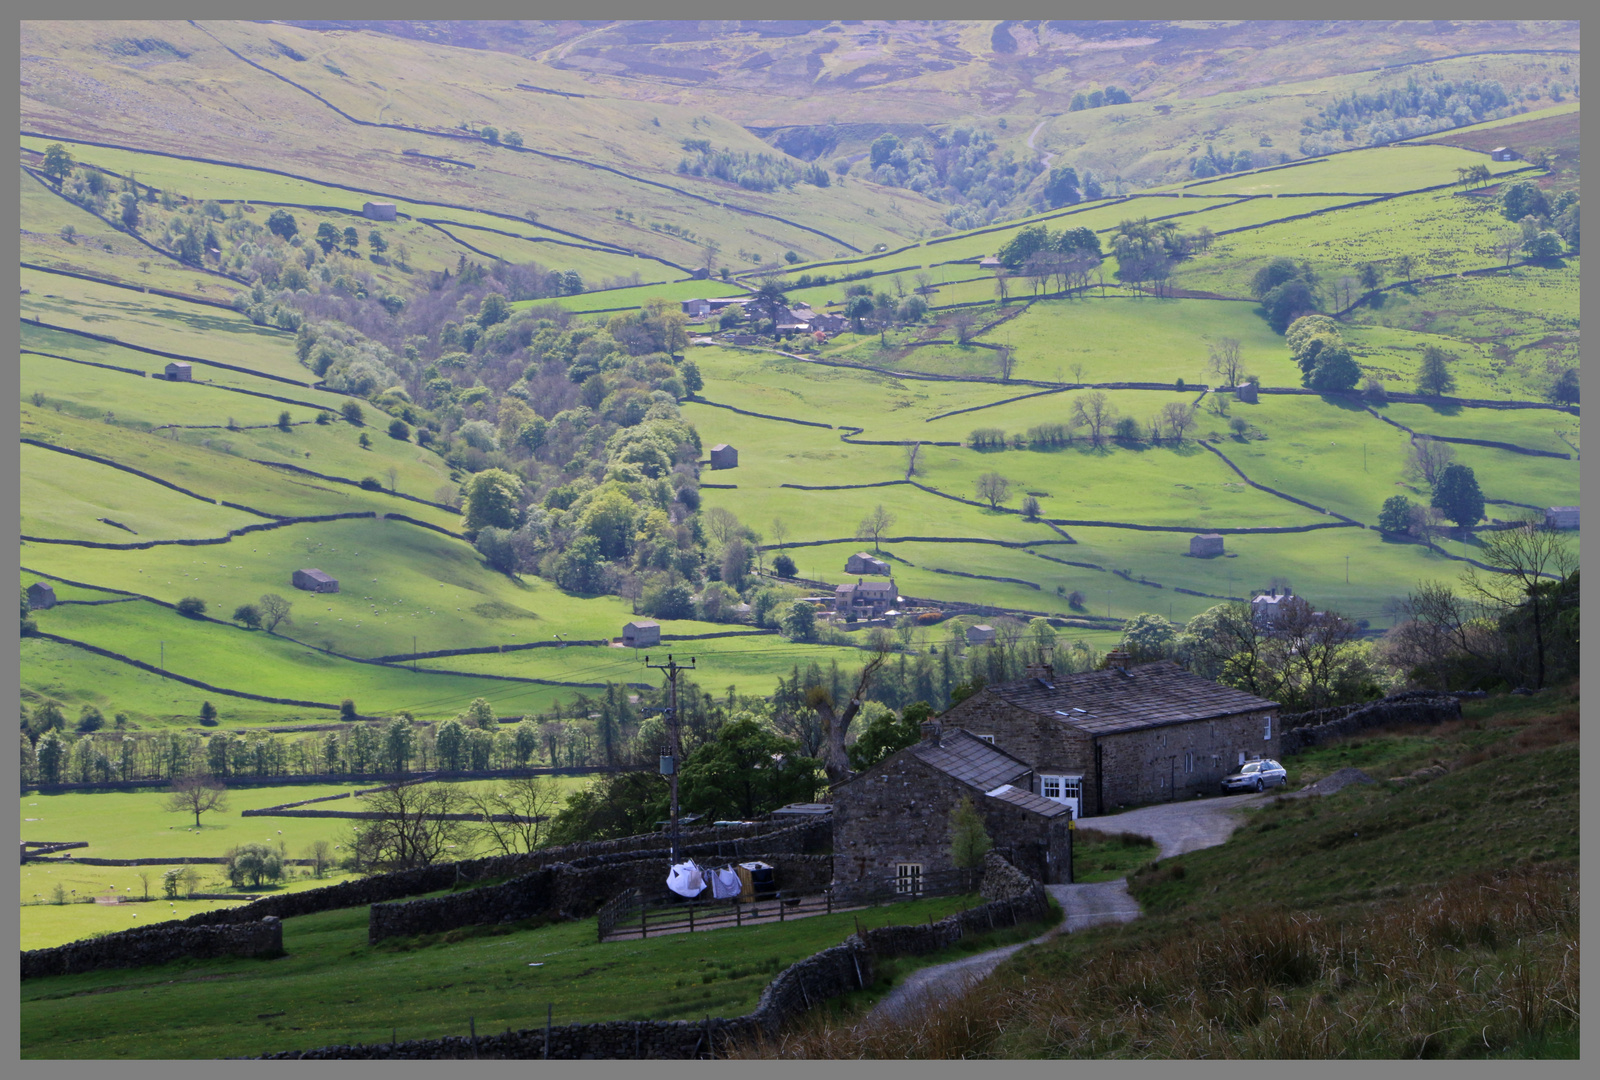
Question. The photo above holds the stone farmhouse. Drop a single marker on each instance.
(1127, 735)
(893, 820)
(641, 634)
(1269, 609)
(314, 581)
(862, 563)
(865, 599)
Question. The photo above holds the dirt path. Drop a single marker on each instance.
(1177, 828)
(1044, 157)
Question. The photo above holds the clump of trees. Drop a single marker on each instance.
(1287, 290)
(1325, 361)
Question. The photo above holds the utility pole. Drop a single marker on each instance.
(674, 752)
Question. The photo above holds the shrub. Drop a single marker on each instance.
(347, 710)
(192, 606)
(248, 616)
(398, 429)
(783, 566)
(351, 412)
(370, 483)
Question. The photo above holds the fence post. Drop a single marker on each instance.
(737, 918)
(644, 930)
(691, 916)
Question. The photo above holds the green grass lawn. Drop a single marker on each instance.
(1378, 170)
(333, 987)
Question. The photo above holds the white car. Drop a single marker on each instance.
(1255, 776)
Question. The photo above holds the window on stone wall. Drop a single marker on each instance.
(988, 739)
(1050, 787)
(1188, 761)
(1268, 735)
(908, 878)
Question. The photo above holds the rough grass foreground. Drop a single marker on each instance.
(1485, 965)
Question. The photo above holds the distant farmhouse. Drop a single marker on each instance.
(1269, 609)
(1206, 546)
(862, 563)
(893, 821)
(864, 599)
(41, 596)
(1127, 735)
(1561, 517)
(180, 371)
(724, 456)
(314, 581)
(379, 211)
(641, 634)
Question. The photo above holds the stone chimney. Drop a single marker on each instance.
(1117, 660)
(1042, 670)
(931, 730)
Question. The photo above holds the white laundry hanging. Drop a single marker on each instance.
(686, 879)
(725, 884)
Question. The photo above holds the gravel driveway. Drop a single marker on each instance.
(1177, 828)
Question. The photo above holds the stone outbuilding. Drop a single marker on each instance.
(1206, 545)
(862, 563)
(1561, 517)
(1503, 153)
(1124, 736)
(982, 634)
(893, 820)
(865, 599)
(697, 309)
(724, 456)
(379, 211)
(41, 596)
(180, 371)
(1246, 393)
(641, 634)
(314, 581)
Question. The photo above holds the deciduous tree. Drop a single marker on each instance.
(195, 795)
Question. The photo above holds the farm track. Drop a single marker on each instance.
(477, 140)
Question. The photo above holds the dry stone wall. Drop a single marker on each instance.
(1397, 710)
(156, 945)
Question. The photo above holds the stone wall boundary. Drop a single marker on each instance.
(156, 945)
(1412, 707)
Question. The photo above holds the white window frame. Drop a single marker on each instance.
(1188, 761)
(1046, 784)
(908, 878)
(1268, 735)
(1241, 758)
(988, 739)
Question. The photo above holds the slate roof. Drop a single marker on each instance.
(1145, 695)
(1029, 801)
(318, 576)
(967, 758)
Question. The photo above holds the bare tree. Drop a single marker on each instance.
(1178, 417)
(1427, 459)
(1002, 285)
(1094, 411)
(392, 474)
(274, 610)
(1225, 361)
(874, 525)
(1437, 630)
(1427, 524)
(413, 828)
(924, 282)
(1528, 558)
(962, 322)
(1008, 362)
(515, 812)
(1313, 647)
(835, 725)
(320, 852)
(1077, 370)
(780, 532)
(1507, 243)
(913, 452)
(196, 795)
(721, 523)
(993, 488)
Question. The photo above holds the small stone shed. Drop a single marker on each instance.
(1246, 393)
(1503, 153)
(1206, 545)
(1561, 517)
(180, 371)
(893, 821)
(41, 596)
(862, 563)
(982, 634)
(314, 581)
(724, 456)
(379, 211)
(641, 634)
(1124, 736)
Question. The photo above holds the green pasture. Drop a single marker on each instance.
(333, 987)
(44, 926)
(671, 290)
(1374, 171)
(1538, 429)
(594, 266)
(215, 469)
(160, 322)
(66, 497)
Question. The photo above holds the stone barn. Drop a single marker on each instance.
(724, 456)
(697, 309)
(1503, 153)
(893, 821)
(862, 563)
(1125, 736)
(981, 634)
(1206, 545)
(379, 211)
(180, 371)
(41, 596)
(1246, 393)
(1561, 517)
(314, 581)
(641, 634)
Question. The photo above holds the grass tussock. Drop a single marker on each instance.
(1485, 965)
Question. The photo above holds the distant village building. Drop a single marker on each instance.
(724, 456)
(990, 262)
(1269, 609)
(980, 635)
(697, 309)
(1129, 734)
(314, 581)
(641, 634)
(180, 371)
(865, 599)
(41, 596)
(1561, 517)
(720, 303)
(1503, 153)
(1246, 393)
(379, 211)
(893, 820)
(862, 563)
(1206, 545)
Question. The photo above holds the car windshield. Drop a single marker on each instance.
(1254, 766)
(1273, 765)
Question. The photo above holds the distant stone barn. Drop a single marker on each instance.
(1128, 735)
(641, 634)
(314, 581)
(724, 456)
(41, 596)
(180, 371)
(893, 820)
(379, 211)
(1206, 545)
